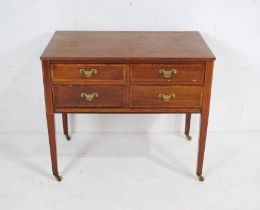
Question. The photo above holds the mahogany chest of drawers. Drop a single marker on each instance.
(127, 72)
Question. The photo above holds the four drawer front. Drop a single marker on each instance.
(88, 96)
(164, 85)
(166, 96)
(192, 73)
(87, 72)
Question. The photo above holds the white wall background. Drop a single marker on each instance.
(230, 27)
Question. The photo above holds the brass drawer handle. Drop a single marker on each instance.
(89, 96)
(168, 73)
(166, 97)
(88, 73)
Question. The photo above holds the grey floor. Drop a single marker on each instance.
(121, 171)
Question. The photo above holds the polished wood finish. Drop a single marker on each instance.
(50, 116)
(127, 47)
(121, 72)
(190, 74)
(126, 110)
(65, 123)
(52, 143)
(204, 116)
(70, 73)
(187, 124)
(148, 96)
(70, 96)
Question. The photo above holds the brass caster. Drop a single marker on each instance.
(188, 137)
(58, 177)
(67, 137)
(201, 178)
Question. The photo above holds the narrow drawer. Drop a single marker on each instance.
(166, 96)
(88, 72)
(165, 73)
(88, 96)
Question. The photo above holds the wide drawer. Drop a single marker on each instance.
(166, 96)
(158, 73)
(87, 72)
(88, 96)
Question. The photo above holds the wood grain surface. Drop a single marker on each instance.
(72, 73)
(126, 46)
(148, 96)
(70, 96)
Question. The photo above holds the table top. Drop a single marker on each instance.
(112, 46)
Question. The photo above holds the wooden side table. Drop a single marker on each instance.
(127, 72)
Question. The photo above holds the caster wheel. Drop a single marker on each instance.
(201, 178)
(58, 178)
(67, 137)
(188, 137)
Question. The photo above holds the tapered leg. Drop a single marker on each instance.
(52, 142)
(204, 118)
(187, 126)
(202, 143)
(65, 125)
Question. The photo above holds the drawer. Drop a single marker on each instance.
(88, 96)
(166, 96)
(161, 73)
(88, 72)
